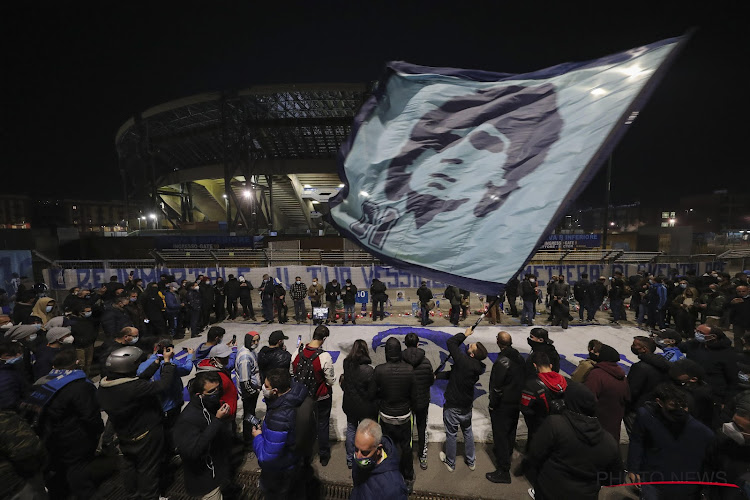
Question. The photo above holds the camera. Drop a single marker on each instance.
(163, 348)
(252, 420)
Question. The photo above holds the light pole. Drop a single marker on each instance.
(153, 217)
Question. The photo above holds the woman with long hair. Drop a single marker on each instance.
(358, 384)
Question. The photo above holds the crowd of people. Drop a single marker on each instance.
(685, 404)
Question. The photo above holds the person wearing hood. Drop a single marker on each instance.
(424, 378)
(57, 338)
(220, 300)
(203, 437)
(379, 298)
(44, 308)
(572, 456)
(396, 393)
(506, 382)
(539, 341)
(667, 340)
(246, 299)
(135, 413)
(221, 359)
(115, 318)
(542, 395)
(274, 441)
(358, 384)
(66, 414)
(586, 365)
(711, 349)
(266, 289)
(232, 291)
(248, 381)
(650, 370)
(731, 453)
(608, 384)
(274, 355)
(459, 397)
(666, 443)
(712, 303)
(376, 474)
(691, 377)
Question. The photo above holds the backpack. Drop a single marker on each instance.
(556, 401)
(305, 372)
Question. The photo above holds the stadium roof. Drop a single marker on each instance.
(281, 140)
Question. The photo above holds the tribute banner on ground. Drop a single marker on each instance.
(459, 175)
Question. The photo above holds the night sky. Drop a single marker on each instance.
(75, 71)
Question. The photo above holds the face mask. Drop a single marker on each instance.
(532, 280)
(683, 285)
(732, 431)
(48, 308)
(133, 299)
(532, 343)
(211, 402)
(195, 288)
(13, 360)
(660, 343)
(298, 281)
(87, 314)
(315, 282)
(700, 337)
(67, 340)
(744, 377)
(268, 394)
(32, 337)
(133, 341)
(368, 463)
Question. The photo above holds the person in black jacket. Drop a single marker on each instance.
(459, 397)
(127, 336)
(220, 300)
(246, 299)
(376, 474)
(739, 314)
(349, 297)
(279, 301)
(424, 378)
(274, 355)
(731, 453)
(207, 301)
(203, 437)
(397, 395)
(333, 291)
(711, 349)
(506, 383)
(539, 341)
(511, 290)
(133, 406)
(378, 297)
(572, 456)
(691, 377)
(358, 384)
(528, 291)
(644, 376)
(425, 296)
(266, 297)
(114, 319)
(194, 306)
(232, 292)
(84, 335)
(71, 423)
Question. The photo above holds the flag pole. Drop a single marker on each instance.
(606, 203)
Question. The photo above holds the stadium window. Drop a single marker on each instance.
(665, 215)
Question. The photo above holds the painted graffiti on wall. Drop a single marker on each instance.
(362, 276)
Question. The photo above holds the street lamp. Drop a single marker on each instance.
(153, 218)
(246, 193)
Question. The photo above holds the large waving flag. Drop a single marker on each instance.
(460, 175)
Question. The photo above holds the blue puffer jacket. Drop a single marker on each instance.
(275, 447)
(385, 481)
(172, 397)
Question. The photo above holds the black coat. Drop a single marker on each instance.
(424, 294)
(207, 295)
(84, 333)
(359, 391)
(196, 440)
(549, 350)
(507, 379)
(528, 290)
(332, 292)
(73, 422)
(232, 289)
(464, 375)
(114, 320)
(423, 374)
(740, 313)
(133, 404)
(644, 376)
(720, 362)
(567, 455)
(733, 460)
(349, 294)
(596, 293)
(272, 357)
(395, 383)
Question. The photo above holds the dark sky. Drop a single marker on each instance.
(75, 71)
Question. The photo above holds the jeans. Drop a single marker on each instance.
(618, 309)
(642, 308)
(324, 421)
(85, 358)
(172, 323)
(401, 436)
(425, 315)
(504, 424)
(349, 313)
(527, 314)
(453, 418)
(300, 314)
(351, 430)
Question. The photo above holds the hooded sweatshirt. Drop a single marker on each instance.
(608, 384)
(541, 396)
(229, 390)
(40, 309)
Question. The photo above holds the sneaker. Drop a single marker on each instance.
(471, 466)
(499, 476)
(443, 458)
(423, 462)
(531, 493)
(409, 486)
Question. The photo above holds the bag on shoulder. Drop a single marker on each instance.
(305, 372)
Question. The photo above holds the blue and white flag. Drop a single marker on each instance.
(460, 175)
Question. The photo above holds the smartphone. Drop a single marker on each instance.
(234, 339)
(299, 340)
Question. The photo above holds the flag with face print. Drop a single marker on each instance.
(460, 175)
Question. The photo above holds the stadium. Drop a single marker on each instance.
(260, 160)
